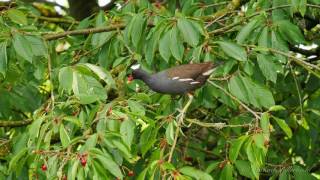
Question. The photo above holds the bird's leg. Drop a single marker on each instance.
(180, 118)
(185, 108)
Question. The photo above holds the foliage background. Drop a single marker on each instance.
(67, 112)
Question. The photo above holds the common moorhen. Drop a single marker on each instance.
(176, 80)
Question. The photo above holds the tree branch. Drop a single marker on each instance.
(11, 123)
(83, 31)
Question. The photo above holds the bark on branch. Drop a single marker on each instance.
(6, 123)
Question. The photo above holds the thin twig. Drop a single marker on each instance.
(218, 125)
(236, 99)
(50, 75)
(298, 91)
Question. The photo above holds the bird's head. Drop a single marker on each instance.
(135, 72)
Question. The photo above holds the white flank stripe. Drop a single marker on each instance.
(195, 82)
(174, 78)
(186, 79)
(207, 73)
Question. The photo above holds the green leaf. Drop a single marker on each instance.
(237, 88)
(265, 38)
(127, 131)
(290, 32)
(102, 74)
(137, 29)
(136, 107)
(37, 46)
(195, 173)
(22, 47)
(87, 89)
(279, 44)
(244, 168)
(235, 148)
(265, 123)
(15, 159)
(176, 45)
(147, 139)
(34, 128)
(227, 172)
(110, 165)
(164, 46)
(259, 140)
(64, 137)
(233, 50)
(247, 30)
(170, 132)
(283, 125)
(74, 170)
(190, 34)
(299, 5)
(268, 67)
(17, 16)
(3, 58)
(300, 173)
(90, 143)
(277, 108)
(66, 78)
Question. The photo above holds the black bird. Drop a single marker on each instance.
(176, 80)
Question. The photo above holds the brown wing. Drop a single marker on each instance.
(192, 71)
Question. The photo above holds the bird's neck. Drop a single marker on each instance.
(143, 75)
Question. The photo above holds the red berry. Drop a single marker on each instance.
(64, 177)
(130, 173)
(83, 161)
(44, 167)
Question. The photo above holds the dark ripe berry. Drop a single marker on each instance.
(44, 167)
(83, 161)
(130, 173)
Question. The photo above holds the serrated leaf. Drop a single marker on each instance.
(102, 74)
(233, 50)
(127, 131)
(15, 159)
(267, 67)
(147, 139)
(227, 172)
(170, 132)
(195, 173)
(66, 78)
(244, 168)
(247, 30)
(176, 45)
(259, 140)
(277, 108)
(265, 123)
(291, 32)
(3, 58)
(64, 137)
(265, 38)
(110, 165)
(137, 29)
(164, 46)
(283, 125)
(22, 47)
(190, 34)
(17, 16)
(235, 148)
(136, 107)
